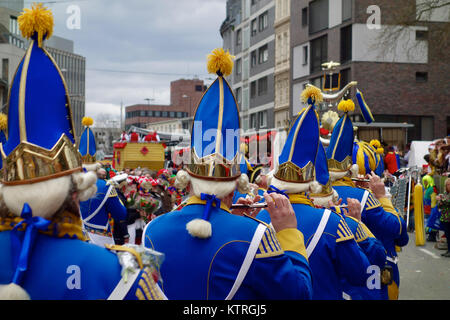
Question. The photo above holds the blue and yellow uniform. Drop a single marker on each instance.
(375, 253)
(381, 219)
(96, 211)
(73, 268)
(335, 256)
(210, 266)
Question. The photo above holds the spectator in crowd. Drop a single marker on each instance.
(390, 160)
(444, 207)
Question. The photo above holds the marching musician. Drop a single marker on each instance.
(223, 255)
(330, 245)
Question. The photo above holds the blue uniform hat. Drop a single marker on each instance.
(87, 147)
(41, 143)
(339, 151)
(365, 110)
(365, 156)
(215, 133)
(299, 153)
(321, 172)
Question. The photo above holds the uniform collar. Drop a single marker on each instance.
(65, 225)
(197, 200)
(300, 198)
(344, 182)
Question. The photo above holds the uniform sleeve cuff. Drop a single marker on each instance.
(291, 239)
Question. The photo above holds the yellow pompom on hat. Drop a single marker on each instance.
(87, 121)
(36, 22)
(346, 105)
(220, 62)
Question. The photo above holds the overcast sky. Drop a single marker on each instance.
(169, 38)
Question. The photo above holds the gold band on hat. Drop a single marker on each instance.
(214, 167)
(29, 163)
(327, 190)
(340, 166)
(290, 172)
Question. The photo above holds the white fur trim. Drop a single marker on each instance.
(44, 198)
(220, 189)
(243, 185)
(199, 228)
(182, 179)
(92, 166)
(13, 292)
(290, 187)
(354, 169)
(323, 201)
(315, 187)
(334, 176)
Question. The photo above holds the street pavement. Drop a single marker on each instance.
(424, 273)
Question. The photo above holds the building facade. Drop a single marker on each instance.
(282, 63)
(248, 33)
(401, 69)
(104, 138)
(185, 94)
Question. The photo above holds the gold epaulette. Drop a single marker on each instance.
(269, 245)
(372, 202)
(360, 234)
(147, 288)
(343, 232)
(113, 193)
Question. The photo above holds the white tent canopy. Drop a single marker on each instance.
(418, 150)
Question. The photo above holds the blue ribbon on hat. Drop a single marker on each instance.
(210, 200)
(33, 224)
(273, 189)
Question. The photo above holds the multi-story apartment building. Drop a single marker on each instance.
(248, 33)
(399, 61)
(282, 63)
(185, 94)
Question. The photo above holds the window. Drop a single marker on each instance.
(421, 35)
(172, 114)
(238, 37)
(252, 89)
(346, 10)
(305, 17)
(253, 120)
(318, 17)
(13, 25)
(319, 53)
(157, 113)
(199, 88)
(305, 55)
(421, 76)
(262, 119)
(263, 54)
(254, 27)
(142, 113)
(346, 44)
(239, 95)
(238, 66)
(165, 114)
(263, 21)
(253, 58)
(262, 86)
(5, 69)
(149, 113)
(179, 114)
